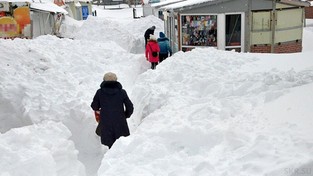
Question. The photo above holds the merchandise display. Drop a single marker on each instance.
(199, 30)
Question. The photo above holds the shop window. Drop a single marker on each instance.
(198, 30)
(161, 15)
(234, 49)
(233, 30)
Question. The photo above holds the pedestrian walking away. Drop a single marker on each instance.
(152, 51)
(149, 31)
(165, 48)
(109, 101)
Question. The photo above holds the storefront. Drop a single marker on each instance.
(198, 30)
(46, 18)
(234, 25)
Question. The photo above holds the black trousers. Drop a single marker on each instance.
(153, 65)
(162, 57)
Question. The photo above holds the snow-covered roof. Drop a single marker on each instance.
(188, 3)
(48, 6)
(78, 4)
(185, 3)
(163, 3)
(78, 1)
(43, 1)
(17, 1)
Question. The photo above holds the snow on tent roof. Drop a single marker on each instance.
(77, 4)
(185, 3)
(48, 6)
(18, 1)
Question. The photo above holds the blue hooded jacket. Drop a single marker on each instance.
(164, 44)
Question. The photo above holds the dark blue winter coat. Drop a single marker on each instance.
(110, 99)
(164, 44)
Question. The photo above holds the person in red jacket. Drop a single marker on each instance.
(152, 51)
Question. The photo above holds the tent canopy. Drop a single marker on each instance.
(48, 6)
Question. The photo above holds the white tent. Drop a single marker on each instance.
(46, 18)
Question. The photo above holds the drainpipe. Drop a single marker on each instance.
(303, 17)
(171, 28)
(273, 25)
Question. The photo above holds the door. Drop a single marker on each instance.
(85, 12)
(41, 24)
(233, 32)
(171, 30)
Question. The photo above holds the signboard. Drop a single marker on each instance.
(13, 25)
(8, 27)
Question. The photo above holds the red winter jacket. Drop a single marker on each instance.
(152, 46)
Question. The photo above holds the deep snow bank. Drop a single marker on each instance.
(69, 27)
(203, 114)
(42, 149)
(55, 79)
(129, 36)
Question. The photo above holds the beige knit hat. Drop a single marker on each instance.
(153, 37)
(109, 77)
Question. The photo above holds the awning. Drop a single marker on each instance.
(48, 6)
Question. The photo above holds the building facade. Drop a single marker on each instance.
(242, 25)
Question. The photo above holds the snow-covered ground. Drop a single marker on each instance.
(204, 112)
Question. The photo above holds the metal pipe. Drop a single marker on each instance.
(273, 24)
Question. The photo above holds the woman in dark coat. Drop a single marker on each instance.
(110, 100)
(149, 31)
